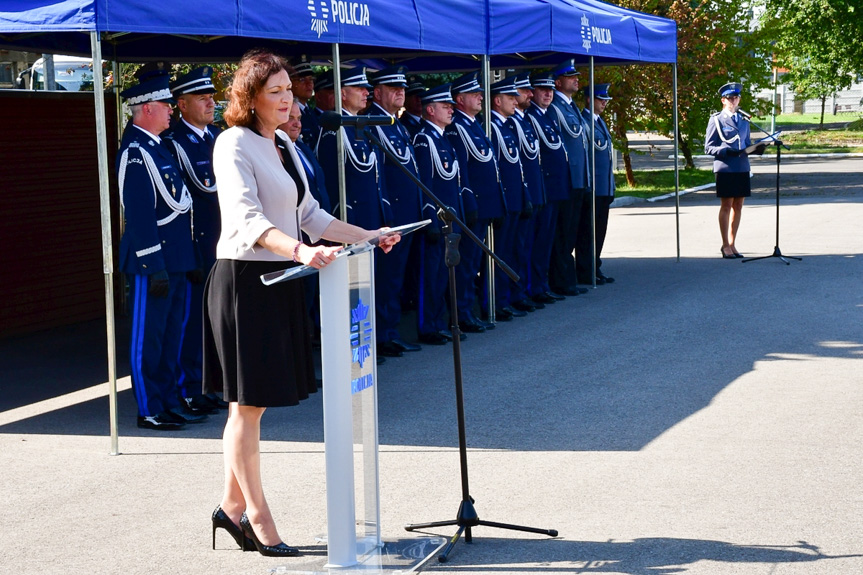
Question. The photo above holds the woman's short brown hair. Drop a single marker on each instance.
(251, 76)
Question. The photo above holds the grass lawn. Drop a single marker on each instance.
(813, 120)
(822, 141)
(651, 183)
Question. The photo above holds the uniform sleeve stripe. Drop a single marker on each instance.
(148, 251)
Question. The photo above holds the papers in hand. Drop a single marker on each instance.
(357, 248)
(767, 140)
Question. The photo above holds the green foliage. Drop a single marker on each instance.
(653, 183)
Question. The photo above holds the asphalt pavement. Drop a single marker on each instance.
(698, 416)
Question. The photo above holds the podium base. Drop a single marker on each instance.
(399, 557)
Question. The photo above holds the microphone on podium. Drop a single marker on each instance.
(744, 113)
(332, 121)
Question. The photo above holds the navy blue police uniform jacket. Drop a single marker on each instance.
(158, 231)
(310, 124)
(411, 123)
(196, 162)
(314, 174)
(529, 151)
(478, 165)
(367, 205)
(602, 147)
(571, 127)
(438, 168)
(555, 165)
(726, 132)
(506, 148)
(403, 194)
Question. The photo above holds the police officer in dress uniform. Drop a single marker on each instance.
(728, 134)
(439, 171)
(412, 115)
(531, 165)
(156, 252)
(325, 101)
(303, 87)
(573, 212)
(405, 202)
(479, 174)
(604, 178)
(367, 205)
(507, 243)
(555, 172)
(191, 142)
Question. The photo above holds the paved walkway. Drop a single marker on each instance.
(697, 417)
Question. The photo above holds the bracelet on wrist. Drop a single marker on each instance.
(297, 251)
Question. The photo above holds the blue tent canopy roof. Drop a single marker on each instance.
(444, 34)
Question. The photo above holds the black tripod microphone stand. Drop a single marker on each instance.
(467, 517)
(777, 253)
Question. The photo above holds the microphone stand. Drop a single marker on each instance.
(467, 517)
(777, 253)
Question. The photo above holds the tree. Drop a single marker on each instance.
(818, 41)
(715, 46)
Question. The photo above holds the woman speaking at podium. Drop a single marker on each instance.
(727, 138)
(257, 338)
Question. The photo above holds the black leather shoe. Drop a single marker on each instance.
(200, 405)
(587, 281)
(502, 315)
(605, 279)
(543, 298)
(216, 400)
(389, 349)
(534, 303)
(486, 324)
(448, 335)
(515, 312)
(405, 346)
(380, 359)
(183, 414)
(159, 422)
(555, 295)
(524, 306)
(433, 338)
(471, 325)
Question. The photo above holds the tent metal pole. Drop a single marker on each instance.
(676, 164)
(489, 234)
(592, 176)
(340, 146)
(107, 248)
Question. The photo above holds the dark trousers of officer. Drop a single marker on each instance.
(389, 280)
(561, 273)
(522, 248)
(434, 276)
(157, 334)
(191, 347)
(504, 247)
(584, 247)
(468, 268)
(544, 225)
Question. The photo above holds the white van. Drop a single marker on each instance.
(71, 73)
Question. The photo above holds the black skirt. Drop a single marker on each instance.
(257, 338)
(732, 185)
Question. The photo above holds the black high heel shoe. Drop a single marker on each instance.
(280, 550)
(221, 519)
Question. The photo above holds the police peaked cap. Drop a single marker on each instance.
(505, 86)
(438, 94)
(600, 92)
(355, 77)
(523, 81)
(730, 89)
(466, 84)
(324, 81)
(198, 81)
(543, 80)
(302, 69)
(415, 88)
(566, 68)
(393, 76)
(153, 90)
